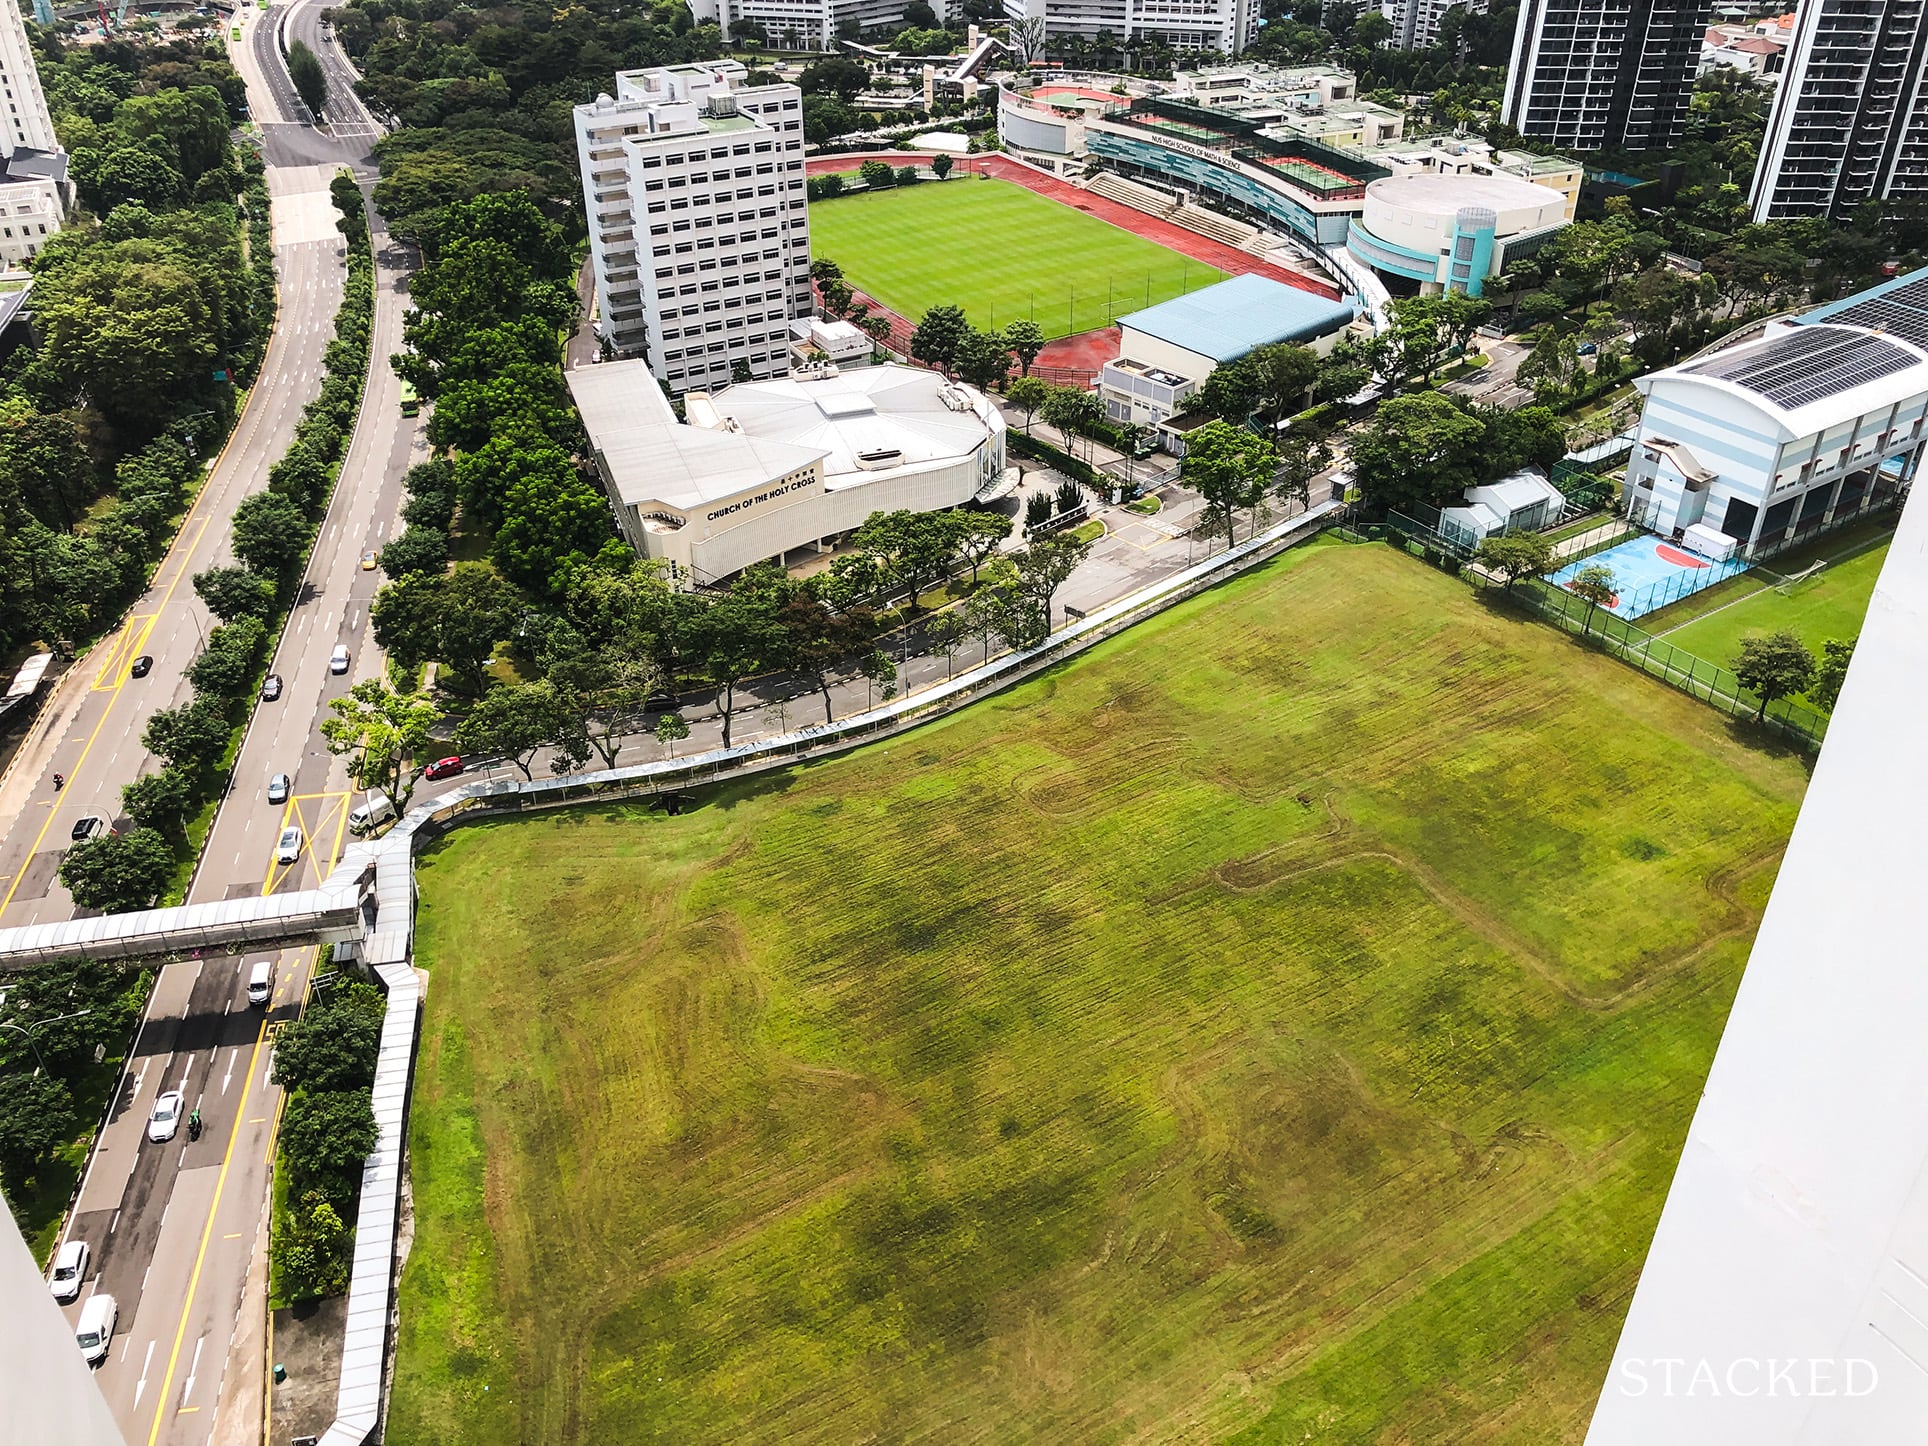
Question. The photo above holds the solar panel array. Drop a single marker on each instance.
(1902, 311)
(1806, 364)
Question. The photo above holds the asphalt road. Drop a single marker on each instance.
(178, 1230)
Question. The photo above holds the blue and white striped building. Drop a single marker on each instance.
(1770, 437)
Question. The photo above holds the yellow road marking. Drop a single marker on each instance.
(127, 647)
(313, 823)
(200, 1255)
(187, 555)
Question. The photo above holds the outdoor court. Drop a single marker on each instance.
(1648, 574)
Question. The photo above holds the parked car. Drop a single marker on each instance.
(271, 688)
(660, 702)
(91, 827)
(288, 848)
(70, 1269)
(278, 787)
(338, 660)
(142, 666)
(166, 1118)
(443, 768)
(95, 1332)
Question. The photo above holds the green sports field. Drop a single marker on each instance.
(1000, 252)
(1831, 604)
(1279, 1025)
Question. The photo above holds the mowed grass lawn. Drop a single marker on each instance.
(1000, 252)
(1279, 1025)
(1832, 604)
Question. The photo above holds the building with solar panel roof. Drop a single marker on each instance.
(1769, 437)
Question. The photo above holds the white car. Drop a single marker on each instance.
(288, 848)
(70, 1268)
(338, 660)
(278, 787)
(166, 1118)
(96, 1329)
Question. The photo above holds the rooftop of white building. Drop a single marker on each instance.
(1803, 379)
(859, 423)
(1446, 194)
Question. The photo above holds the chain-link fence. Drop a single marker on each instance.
(1660, 659)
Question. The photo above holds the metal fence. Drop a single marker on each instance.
(1657, 658)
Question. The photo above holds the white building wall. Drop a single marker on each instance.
(24, 121)
(30, 212)
(1226, 26)
(698, 234)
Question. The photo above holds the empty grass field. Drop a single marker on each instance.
(1000, 252)
(1279, 1025)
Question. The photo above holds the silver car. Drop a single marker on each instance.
(166, 1118)
(278, 787)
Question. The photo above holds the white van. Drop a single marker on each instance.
(70, 1269)
(261, 982)
(370, 812)
(96, 1328)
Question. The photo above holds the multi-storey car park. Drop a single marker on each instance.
(698, 236)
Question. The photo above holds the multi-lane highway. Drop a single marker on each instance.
(178, 1229)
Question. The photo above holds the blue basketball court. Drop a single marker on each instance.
(1648, 574)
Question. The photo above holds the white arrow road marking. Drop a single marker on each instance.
(230, 1074)
(141, 1384)
(188, 1389)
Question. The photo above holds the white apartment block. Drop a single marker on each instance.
(1415, 23)
(808, 24)
(33, 168)
(1225, 26)
(698, 234)
(1850, 120)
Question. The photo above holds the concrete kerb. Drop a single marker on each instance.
(387, 930)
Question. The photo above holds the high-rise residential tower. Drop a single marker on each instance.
(697, 229)
(1415, 23)
(33, 168)
(1850, 121)
(1587, 74)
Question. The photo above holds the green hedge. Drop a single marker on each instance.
(1040, 450)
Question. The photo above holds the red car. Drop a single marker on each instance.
(443, 768)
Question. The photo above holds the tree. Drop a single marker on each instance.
(1286, 375)
(162, 801)
(234, 592)
(328, 1047)
(1831, 673)
(1030, 393)
(936, 339)
(311, 82)
(311, 1251)
(836, 296)
(670, 729)
(845, 79)
(823, 269)
(1552, 369)
(1302, 456)
(191, 736)
(1023, 337)
(1043, 567)
(1417, 451)
(734, 635)
(1231, 393)
(118, 872)
(1776, 665)
(381, 733)
(270, 536)
(326, 1137)
(913, 549)
(517, 722)
(820, 640)
(1593, 585)
(1515, 555)
(334, 1045)
(420, 550)
(946, 634)
(977, 535)
(877, 174)
(941, 167)
(982, 358)
(36, 1118)
(1231, 469)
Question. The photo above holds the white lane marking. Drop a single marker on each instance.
(230, 1074)
(126, 1343)
(141, 1385)
(144, 1274)
(188, 1389)
(113, 1223)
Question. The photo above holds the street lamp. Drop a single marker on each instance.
(40, 1023)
